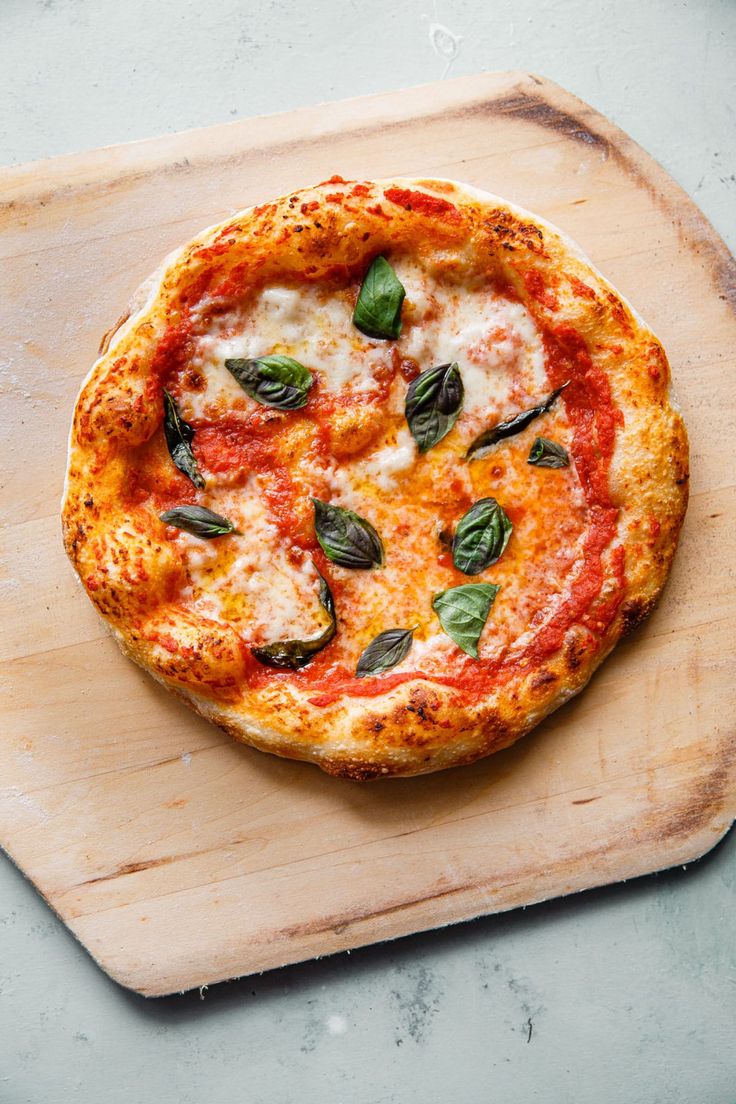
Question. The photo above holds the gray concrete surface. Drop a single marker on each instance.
(620, 996)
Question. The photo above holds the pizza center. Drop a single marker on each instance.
(350, 445)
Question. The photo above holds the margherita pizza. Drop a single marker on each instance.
(376, 475)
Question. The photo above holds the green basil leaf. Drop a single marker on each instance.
(346, 538)
(548, 454)
(481, 536)
(510, 426)
(292, 654)
(384, 652)
(199, 521)
(378, 309)
(277, 380)
(179, 436)
(463, 612)
(433, 402)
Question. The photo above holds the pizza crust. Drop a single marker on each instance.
(133, 574)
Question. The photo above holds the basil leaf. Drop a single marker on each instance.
(481, 536)
(199, 521)
(433, 402)
(179, 436)
(292, 654)
(277, 381)
(548, 454)
(463, 612)
(384, 652)
(511, 426)
(346, 538)
(378, 309)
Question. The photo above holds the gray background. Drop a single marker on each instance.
(621, 996)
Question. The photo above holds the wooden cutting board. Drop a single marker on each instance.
(179, 858)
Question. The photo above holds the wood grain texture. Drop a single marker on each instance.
(179, 858)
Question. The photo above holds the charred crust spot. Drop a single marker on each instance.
(530, 228)
(574, 652)
(423, 703)
(509, 233)
(634, 611)
(543, 678)
(354, 771)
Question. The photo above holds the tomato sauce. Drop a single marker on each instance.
(433, 206)
(173, 351)
(536, 287)
(250, 445)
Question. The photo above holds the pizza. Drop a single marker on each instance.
(376, 475)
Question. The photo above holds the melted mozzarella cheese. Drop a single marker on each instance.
(381, 470)
(392, 460)
(495, 342)
(248, 578)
